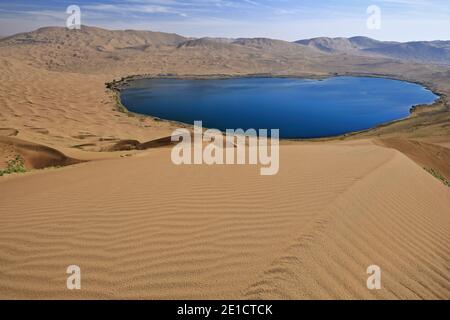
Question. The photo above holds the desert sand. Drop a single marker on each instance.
(141, 227)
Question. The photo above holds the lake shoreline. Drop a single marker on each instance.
(116, 86)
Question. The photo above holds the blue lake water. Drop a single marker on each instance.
(300, 108)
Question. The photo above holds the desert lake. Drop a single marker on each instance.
(300, 108)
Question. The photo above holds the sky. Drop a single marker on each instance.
(400, 20)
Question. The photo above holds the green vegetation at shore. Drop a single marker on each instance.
(116, 91)
(438, 175)
(16, 165)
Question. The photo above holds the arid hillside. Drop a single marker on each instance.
(437, 52)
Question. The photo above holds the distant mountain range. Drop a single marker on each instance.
(436, 52)
(418, 51)
(90, 41)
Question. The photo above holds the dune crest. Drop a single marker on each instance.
(35, 156)
(226, 231)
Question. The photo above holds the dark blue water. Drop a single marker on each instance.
(299, 108)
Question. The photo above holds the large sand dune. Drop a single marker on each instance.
(150, 229)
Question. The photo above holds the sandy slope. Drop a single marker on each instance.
(149, 229)
(427, 155)
(66, 109)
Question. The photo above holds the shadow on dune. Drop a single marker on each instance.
(426, 155)
(36, 156)
(125, 145)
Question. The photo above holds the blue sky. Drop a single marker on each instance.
(402, 20)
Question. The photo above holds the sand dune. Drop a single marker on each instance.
(427, 155)
(67, 109)
(150, 229)
(35, 156)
